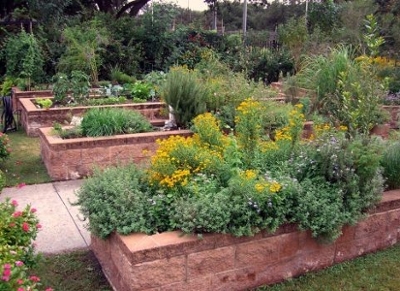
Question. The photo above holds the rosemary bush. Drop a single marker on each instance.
(185, 94)
(391, 165)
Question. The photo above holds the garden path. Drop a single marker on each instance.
(62, 226)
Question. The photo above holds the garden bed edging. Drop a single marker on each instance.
(67, 159)
(33, 118)
(176, 262)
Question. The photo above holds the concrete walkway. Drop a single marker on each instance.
(62, 225)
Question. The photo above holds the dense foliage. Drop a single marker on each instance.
(213, 182)
(18, 229)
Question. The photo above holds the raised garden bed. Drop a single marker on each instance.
(18, 95)
(33, 118)
(75, 158)
(170, 261)
(394, 111)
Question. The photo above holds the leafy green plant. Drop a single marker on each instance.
(44, 103)
(111, 121)
(61, 86)
(24, 58)
(79, 85)
(212, 182)
(105, 101)
(140, 90)
(83, 47)
(185, 94)
(67, 133)
(118, 199)
(371, 36)
(5, 148)
(321, 73)
(18, 229)
(391, 165)
(3, 181)
(120, 77)
(6, 87)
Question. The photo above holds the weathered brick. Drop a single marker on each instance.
(264, 251)
(236, 279)
(196, 284)
(158, 273)
(208, 262)
(374, 224)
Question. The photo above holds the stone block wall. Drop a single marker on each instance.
(17, 95)
(75, 158)
(33, 118)
(170, 261)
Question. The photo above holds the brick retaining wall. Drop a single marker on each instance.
(170, 261)
(75, 158)
(33, 118)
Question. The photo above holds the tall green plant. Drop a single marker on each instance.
(24, 58)
(371, 37)
(83, 46)
(321, 73)
(186, 95)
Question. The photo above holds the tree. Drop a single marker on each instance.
(117, 8)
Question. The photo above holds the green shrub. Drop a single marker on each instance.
(44, 103)
(140, 90)
(391, 165)
(5, 149)
(112, 121)
(3, 181)
(185, 94)
(119, 199)
(61, 85)
(18, 229)
(212, 182)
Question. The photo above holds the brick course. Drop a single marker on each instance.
(75, 158)
(170, 261)
(32, 118)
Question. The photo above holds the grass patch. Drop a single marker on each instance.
(24, 164)
(378, 271)
(74, 271)
(80, 270)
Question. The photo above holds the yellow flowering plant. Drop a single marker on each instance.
(248, 128)
(178, 158)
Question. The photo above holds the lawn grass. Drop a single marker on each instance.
(24, 164)
(75, 271)
(378, 271)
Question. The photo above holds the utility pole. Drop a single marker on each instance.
(244, 21)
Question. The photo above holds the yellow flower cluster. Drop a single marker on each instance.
(208, 132)
(248, 107)
(177, 158)
(248, 175)
(266, 146)
(293, 131)
(273, 186)
(382, 62)
(320, 129)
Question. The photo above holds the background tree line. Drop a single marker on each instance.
(100, 37)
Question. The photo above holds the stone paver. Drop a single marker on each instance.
(62, 225)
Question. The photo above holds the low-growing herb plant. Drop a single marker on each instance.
(44, 103)
(211, 182)
(111, 121)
